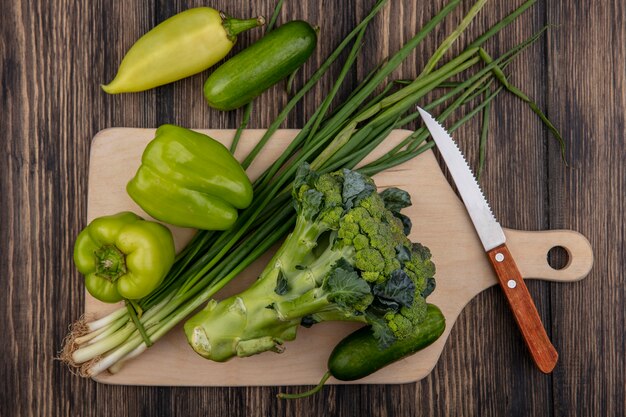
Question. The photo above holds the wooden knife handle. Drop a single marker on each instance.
(543, 352)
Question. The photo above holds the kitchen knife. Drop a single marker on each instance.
(492, 237)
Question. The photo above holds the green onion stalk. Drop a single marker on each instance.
(328, 141)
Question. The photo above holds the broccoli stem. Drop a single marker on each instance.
(259, 319)
(297, 247)
(317, 268)
(308, 303)
(248, 323)
(241, 325)
(337, 315)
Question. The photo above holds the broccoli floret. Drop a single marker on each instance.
(400, 325)
(403, 321)
(360, 242)
(347, 258)
(369, 260)
(420, 268)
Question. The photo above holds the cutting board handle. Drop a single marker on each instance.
(530, 250)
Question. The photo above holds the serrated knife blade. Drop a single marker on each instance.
(494, 242)
(489, 230)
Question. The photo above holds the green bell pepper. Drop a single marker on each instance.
(123, 256)
(191, 180)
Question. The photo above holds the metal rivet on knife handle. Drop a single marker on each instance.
(511, 283)
(499, 257)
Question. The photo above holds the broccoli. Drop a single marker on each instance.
(347, 258)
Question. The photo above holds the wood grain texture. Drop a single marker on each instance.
(53, 55)
(587, 84)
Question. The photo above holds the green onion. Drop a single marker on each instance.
(482, 148)
(443, 48)
(522, 96)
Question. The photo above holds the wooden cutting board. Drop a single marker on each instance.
(439, 222)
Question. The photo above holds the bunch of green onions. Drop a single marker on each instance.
(328, 141)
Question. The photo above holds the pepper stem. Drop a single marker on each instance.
(110, 263)
(234, 26)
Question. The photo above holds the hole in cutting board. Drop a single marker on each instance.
(558, 257)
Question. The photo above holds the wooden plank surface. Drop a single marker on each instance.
(53, 55)
(590, 105)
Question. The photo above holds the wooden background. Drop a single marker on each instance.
(53, 56)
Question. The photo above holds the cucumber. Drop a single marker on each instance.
(261, 65)
(358, 355)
